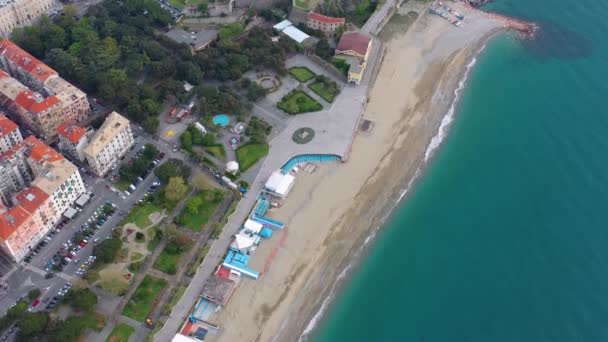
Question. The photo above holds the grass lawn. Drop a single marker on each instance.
(94, 321)
(248, 154)
(139, 214)
(154, 241)
(209, 201)
(229, 31)
(177, 3)
(122, 184)
(342, 65)
(217, 151)
(302, 74)
(297, 102)
(302, 4)
(120, 333)
(170, 257)
(144, 298)
(167, 262)
(327, 92)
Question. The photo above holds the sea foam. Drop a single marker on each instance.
(449, 117)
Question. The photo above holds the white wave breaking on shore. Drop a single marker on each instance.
(449, 117)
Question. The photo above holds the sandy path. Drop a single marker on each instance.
(330, 212)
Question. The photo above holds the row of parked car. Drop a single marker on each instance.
(46, 240)
(68, 252)
(160, 156)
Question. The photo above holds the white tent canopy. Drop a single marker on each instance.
(295, 34)
(279, 183)
(282, 25)
(255, 227)
(291, 31)
(243, 241)
(232, 166)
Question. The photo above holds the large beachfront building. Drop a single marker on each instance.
(18, 13)
(36, 186)
(355, 48)
(109, 143)
(329, 25)
(34, 94)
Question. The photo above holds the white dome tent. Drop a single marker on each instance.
(232, 167)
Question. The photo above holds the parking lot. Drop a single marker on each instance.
(66, 253)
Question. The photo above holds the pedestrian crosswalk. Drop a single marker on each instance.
(27, 283)
(8, 274)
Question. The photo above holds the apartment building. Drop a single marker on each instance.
(328, 25)
(109, 143)
(39, 205)
(18, 13)
(63, 183)
(40, 185)
(35, 95)
(73, 139)
(18, 232)
(9, 134)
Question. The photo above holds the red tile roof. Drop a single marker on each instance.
(71, 132)
(34, 102)
(26, 61)
(354, 41)
(31, 198)
(41, 152)
(11, 221)
(325, 19)
(6, 125)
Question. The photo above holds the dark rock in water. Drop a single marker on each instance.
(478, 3)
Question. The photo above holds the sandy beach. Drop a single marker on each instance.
(331, 212)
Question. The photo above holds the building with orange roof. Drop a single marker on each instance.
(19, 232)
(73, 139)
(40, 205)
(355, 48)
(39, 155)
(9, 134)
(35, 94)
(41, 185)
(328, 25)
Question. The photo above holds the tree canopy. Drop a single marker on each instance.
(33, 324)
(172, 168)
(175, 189)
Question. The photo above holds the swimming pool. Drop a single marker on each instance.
(221, 120)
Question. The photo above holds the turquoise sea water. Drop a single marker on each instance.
(505, 236)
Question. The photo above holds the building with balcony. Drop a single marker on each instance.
(39, 185)
(73, 139)
(111, 141)
(9, 134)
(18, 13)
(35, 95)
